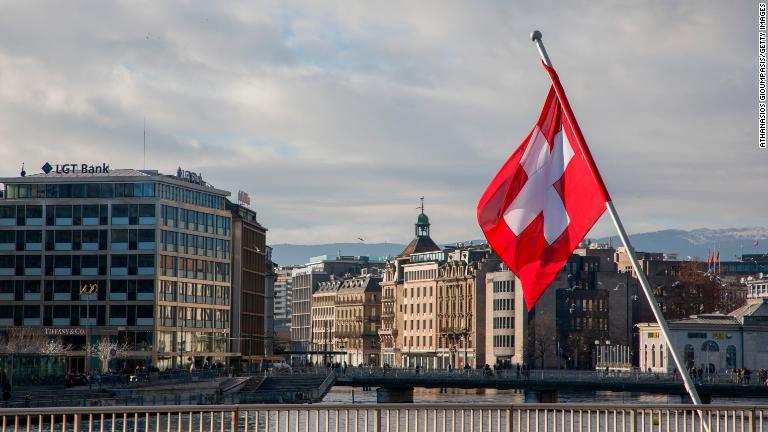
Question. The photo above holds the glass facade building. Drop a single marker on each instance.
(151, 250)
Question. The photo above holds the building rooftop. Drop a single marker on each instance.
(419, 245)
(361, 284)
(182, 178)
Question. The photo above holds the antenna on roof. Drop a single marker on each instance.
(145, 142)
(23, 172)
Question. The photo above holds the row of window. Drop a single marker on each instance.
(76, 315)
(74, 265)
(504, 341)
(503, 304)
(191, 244)
(420, 275)
(185, 341)
(420, 292)
(87, 240)
(69, 290)
(420, 324)
(581, 323)
(188, 196)
(67, 215)
(504, 286)
(420, 342)
(419, 309)
(80, 190)
(192, 268)
(193, 317)
(507, 322)
(190, 292)
(195, 221)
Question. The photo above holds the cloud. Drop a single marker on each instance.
(337, 116)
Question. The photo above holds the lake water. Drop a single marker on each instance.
(340, 394)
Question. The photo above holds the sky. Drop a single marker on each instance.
(336, 116)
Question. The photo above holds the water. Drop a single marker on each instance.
(341, 394)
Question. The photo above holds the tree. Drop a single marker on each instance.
(27, 341)
(694, 292)
(103, 349)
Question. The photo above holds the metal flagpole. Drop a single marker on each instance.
(689, 386)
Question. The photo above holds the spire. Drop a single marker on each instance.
(422, 222)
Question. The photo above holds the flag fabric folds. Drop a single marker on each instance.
(544, 199)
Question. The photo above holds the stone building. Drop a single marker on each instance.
(434, 307)
(324, 321)
(305, 281)
(714, 342)
(358, 318)
(391, 314)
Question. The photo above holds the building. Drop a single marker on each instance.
(391, 315)
(714, 342)
(358, 318)
(589, 308)
(249, 278)
(757, 287)
(500, 328)
(305, 281)
(282, 308)
(433, 303)
(269, 304)
(410, 282)
(149, 252)
(324, 322)
(461, 306)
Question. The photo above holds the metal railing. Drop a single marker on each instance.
(547, 375)
(392, 417)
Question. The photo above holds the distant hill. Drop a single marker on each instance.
(287, 254)
(695, 244)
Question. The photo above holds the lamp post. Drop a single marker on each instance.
(88, 290)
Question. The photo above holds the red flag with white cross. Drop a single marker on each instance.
(544, 199)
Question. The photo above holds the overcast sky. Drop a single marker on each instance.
(337, 116)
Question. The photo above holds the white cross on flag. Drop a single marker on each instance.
(545, 198)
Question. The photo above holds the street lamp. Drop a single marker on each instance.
(88, 290)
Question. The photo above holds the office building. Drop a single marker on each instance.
(249, 278)
(153, 251)
(305, 281)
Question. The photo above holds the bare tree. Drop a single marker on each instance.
(695, 292)
(104, 349)
(27, 341)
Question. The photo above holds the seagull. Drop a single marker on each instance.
(361, 239)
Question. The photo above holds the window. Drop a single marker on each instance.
(689, 356)
(730, 357)
(710, 346)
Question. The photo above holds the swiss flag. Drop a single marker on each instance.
(544, 199)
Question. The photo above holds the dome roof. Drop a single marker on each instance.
(422, 220)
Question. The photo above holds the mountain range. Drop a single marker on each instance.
(695, 244)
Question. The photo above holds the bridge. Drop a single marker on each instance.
(391, 417)
(396, 385)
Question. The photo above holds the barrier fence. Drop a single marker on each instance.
(392, 417)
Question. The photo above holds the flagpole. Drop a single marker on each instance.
(689, 386)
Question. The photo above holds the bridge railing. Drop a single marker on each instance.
(544, 375)
(392, 417)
